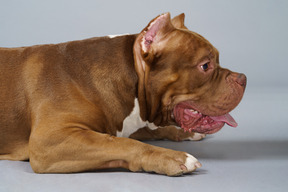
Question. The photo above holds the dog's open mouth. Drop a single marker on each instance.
(191, 120)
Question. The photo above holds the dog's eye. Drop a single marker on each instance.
(205, 67)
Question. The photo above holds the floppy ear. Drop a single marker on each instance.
(153, 34)
(178, 21)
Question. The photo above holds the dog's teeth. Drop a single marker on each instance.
(193, 111)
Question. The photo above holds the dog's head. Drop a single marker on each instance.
(180, 80)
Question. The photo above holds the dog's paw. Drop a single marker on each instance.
(169, 162)
(191, 164)
(190, 136)
(195, 137)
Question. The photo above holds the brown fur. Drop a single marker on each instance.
(61, 105)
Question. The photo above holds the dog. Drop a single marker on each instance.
(83, 105)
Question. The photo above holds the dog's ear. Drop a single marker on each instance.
(178, 21)
(149, 40)
(155, 31)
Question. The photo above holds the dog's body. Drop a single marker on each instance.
(62, 105)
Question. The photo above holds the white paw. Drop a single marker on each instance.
(192, 163)
(196, 137)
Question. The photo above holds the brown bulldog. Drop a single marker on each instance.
(63, 105)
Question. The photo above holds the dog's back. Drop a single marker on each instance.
(32, 75)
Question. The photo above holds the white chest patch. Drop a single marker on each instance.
(133, 122)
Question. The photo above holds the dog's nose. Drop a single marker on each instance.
(241, 79)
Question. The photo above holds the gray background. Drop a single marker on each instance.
(251, 37)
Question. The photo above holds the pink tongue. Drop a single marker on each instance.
(227, 118)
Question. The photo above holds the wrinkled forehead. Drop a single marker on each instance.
(195, 44)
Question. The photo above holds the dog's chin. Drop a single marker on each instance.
(189, 119)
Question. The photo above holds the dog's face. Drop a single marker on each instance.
(184, 83)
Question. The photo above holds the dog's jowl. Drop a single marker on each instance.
(82, 105)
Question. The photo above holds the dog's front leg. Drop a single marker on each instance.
(169, 132)
(75, 150)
